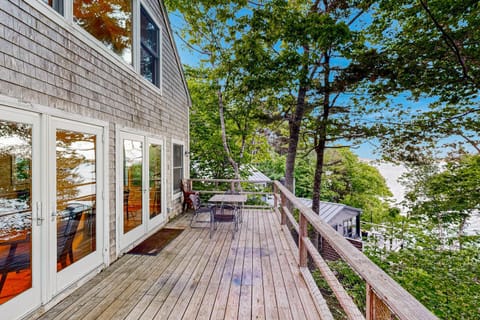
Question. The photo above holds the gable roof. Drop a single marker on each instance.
(256, 175)
(333, 213)
(175, 49)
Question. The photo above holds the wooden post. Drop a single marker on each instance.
(275, 192)
(302, 233)
(284, 204)
(232, 186)
(376, 308)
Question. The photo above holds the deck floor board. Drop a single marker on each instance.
(252, 276)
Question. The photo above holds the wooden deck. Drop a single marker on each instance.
(253, 276)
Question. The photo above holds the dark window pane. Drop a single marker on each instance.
(55, 4)
(149, 33)
(110, 21)
(177, 155)
(177, 166)
(148, 66)
(149, 56)
(177, 176)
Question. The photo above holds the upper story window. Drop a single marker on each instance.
(149, 48)
(57, 5)
(110, 21)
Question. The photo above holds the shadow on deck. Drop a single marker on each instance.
(253, 276)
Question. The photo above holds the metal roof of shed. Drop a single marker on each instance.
(333, 213)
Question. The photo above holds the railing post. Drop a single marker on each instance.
(302, 233)
(275, 192)
(232, 186)
(376, 308)
(284, 204)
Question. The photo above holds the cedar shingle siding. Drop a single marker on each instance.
(48, 62)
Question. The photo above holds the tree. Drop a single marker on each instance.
(346, 180)
(110, 21)
(309, 47)
(211, 31)
(447, 196)
(206, 149)
(433, 56)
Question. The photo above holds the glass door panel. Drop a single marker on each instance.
(15, 209)
(21, 216)
(76, 180)
(155, 180)
(132, 184)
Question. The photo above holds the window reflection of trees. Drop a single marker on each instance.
(76, 175)
(15, 209)
(110, 21)
(15, 168)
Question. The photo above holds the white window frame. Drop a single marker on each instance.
(178, 194)
(159, 42)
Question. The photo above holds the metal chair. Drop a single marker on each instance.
(198, 208)
(236, 207)
(226, 214)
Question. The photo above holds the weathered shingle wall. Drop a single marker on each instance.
(47, 61)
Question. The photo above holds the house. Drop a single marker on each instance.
(344, 219)
(94, 134)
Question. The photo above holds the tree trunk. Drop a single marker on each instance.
(224, 134)
(322, 132)
(321, 140)
(294, 126)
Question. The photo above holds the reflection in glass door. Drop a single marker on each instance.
(76, 196)
(15, 209)
(132, 184)
(21, 220)
(75, 187)
(155, 180)
(142, 189)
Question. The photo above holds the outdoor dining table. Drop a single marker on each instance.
(237, 200)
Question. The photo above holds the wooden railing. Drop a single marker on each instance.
(212, 186)
(385, 298)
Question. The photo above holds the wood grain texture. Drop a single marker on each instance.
(253, 276)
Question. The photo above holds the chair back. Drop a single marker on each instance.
(195, 198)
(184, 185)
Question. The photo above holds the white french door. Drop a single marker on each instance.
(22, 227)
(51, 207)
(141, 191)
(75, 200)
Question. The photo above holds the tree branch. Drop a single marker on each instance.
(449, 41)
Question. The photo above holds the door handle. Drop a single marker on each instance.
(54, 215)
(39, 213)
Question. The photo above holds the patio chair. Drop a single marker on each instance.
(187, 192)
(15, 260)
(227, 214)
(67, 231)
(232, 207)
(199, 208)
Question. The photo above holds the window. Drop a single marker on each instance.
(149, 48)
(110, 21)
(177, 166)
(57, 5)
